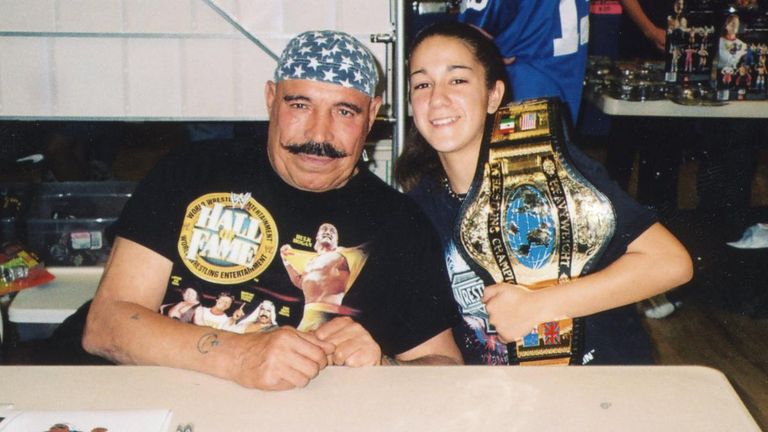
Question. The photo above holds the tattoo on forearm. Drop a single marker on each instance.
(207, 342)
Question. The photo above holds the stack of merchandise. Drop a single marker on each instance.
(721, 43)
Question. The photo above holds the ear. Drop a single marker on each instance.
(373, 109)
(270, 89)
(495, 96)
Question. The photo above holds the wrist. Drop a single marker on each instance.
(217, 354)
(389, 361)
(649, 30)
(551, 303)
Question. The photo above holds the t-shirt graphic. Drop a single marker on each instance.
(227, 238)
(324, 275)
(262, 318)
(231, 239)
(477, 335)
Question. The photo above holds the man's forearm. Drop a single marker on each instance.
(128, 333)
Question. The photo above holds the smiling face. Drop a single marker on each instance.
(449, 96)
(190, 295)
(266, 312)
(317, 131)
(327, 238)
(223, 302)
(732, 25)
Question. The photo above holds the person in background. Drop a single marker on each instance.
(544, 45)
(725, 149)
(214, 216)
(456, 81)
(657, 142)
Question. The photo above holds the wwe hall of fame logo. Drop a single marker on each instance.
(227, 238)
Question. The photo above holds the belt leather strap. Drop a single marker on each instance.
(531, 218)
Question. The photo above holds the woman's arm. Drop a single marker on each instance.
(653, 263)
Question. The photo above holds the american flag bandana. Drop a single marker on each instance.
(329, 56)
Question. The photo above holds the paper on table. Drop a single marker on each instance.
(85, 421)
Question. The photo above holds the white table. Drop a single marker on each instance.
(53, 302)
(666, 108)
(469, 398)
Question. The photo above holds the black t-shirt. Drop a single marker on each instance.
(611, 337)
(249, 251)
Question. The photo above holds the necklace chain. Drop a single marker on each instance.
(450, 191)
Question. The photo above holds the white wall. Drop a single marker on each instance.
(157, 59)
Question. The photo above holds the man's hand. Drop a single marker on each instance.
(512, 310)
(238, 313)
(285, 252)
(280, 359)
(354, 345)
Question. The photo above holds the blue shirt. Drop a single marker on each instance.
(547, 40)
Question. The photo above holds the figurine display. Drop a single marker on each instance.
(716, 51)
(741, 52)
(690, 34)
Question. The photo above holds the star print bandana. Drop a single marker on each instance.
(329, 56)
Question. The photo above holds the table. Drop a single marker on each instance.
(725, 137)
(407, 398)
(667, 108)
(37, 311)
(53, 302)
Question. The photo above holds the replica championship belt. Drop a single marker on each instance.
(531, 219)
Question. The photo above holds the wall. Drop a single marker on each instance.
(158, 59)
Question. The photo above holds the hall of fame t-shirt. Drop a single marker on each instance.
(250, 252)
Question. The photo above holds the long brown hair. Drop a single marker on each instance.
(419, 158)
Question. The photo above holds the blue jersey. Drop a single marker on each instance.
(546, 40)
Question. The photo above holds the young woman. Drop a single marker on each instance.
(456, 81)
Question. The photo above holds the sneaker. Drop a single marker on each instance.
(754, 237)
(658, 307)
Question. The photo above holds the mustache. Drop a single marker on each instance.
(313, 148)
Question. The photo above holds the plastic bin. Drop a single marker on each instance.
(67, 222)
(14, 202)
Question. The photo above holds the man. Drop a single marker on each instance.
(262, 318)
(544, 44)
(216, 315)
(213, 216)
(323, 276)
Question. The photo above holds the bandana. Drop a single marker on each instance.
(329, 56)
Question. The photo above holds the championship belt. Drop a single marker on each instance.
(530, 218)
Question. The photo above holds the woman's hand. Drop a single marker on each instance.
(514, 310)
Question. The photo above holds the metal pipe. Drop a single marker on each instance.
(232, 20)
(399, 98)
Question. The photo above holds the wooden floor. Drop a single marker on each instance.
(731, 342)
(723, 321)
